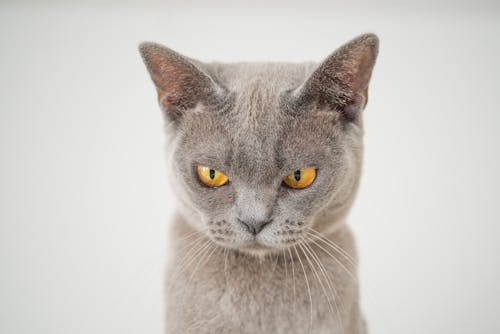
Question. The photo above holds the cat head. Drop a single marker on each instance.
(262, 154)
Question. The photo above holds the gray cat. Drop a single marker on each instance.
(265, 162)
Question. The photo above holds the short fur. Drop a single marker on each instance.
(256, 123)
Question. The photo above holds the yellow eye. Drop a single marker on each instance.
(300, 178)
(211, 177)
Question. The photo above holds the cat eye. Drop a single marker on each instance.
(301, 178)
(211, 177)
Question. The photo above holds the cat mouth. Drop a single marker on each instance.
(250, 244)
(255, 242)
(265, 248)
(257, 246)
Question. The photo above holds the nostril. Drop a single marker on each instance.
(249, 227)
(260, 226)
(254, 227)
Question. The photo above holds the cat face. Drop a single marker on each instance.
(262, 153)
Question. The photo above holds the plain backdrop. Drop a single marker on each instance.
(84, 203)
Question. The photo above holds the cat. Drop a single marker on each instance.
(265, 161)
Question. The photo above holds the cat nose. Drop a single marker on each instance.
(254, 226)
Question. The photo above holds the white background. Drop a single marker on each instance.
(84, 204)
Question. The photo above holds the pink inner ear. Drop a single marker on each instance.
(175, 88)
(341, 81)
(360, 73)
(179, 83)
(356, 74)
(179, 86)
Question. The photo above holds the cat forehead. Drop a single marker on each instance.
(256, 129)
(260, 77)
(257, 90)
(257, 138)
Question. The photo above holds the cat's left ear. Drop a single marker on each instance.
(340, 82)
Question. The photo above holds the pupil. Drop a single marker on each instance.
(212, 174)
(297, 175)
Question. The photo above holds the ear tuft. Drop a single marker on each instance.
(180, 84)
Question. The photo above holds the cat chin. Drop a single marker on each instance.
(255, 248)
(258, 250)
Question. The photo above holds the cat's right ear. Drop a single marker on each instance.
(180, 84)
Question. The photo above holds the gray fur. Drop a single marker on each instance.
(256, 123)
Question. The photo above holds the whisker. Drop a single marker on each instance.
(199, 256)
(190, 235)
(187, 260)
(349, 272)
(188, 244)
(226, 253)
(194, 248)
(275, 264)
(336, 247)
(284, 264)
(286, 276)
(352, 262)
(293, 280)
(203, 258)
(300, 244)
(331, 285)
(308, 287)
